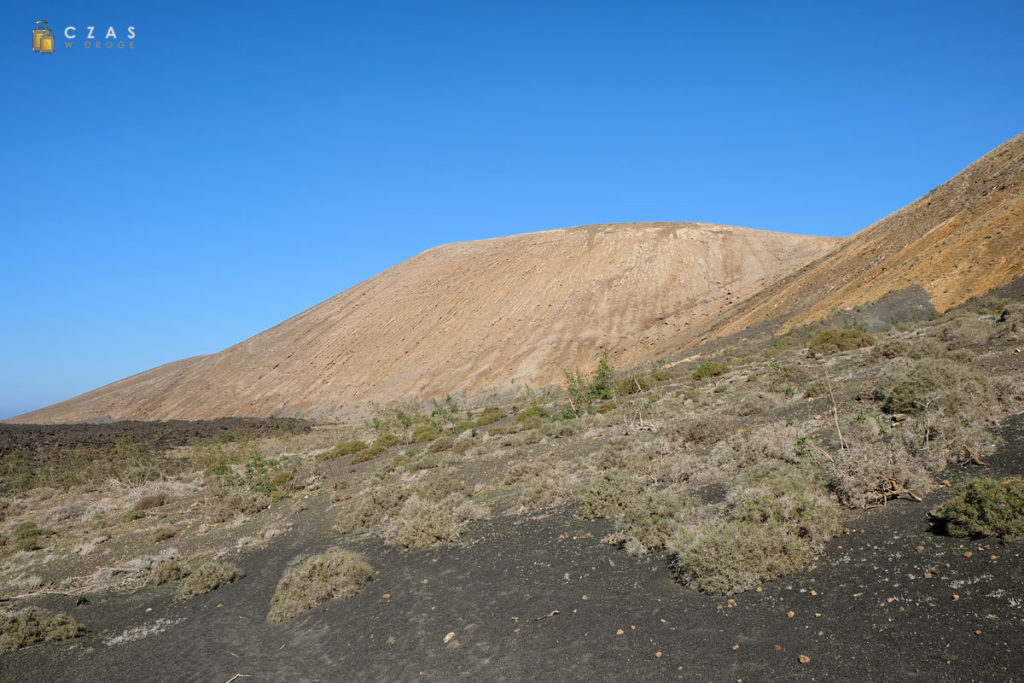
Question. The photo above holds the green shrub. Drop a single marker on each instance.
(634, 384)
(342, 449)
(379, 445)
(534, 412)
(490, 415)
(33, 625)
(985, 507)
(834, 340)
(443, 444)
(710, 368)
(424, 433)
(334, 575)
(585, 389)
(27, 535)
(936, 382)
(206, 577)
(164, 533)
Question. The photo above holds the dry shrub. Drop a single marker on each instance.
(542, 483)
(425, 523)
(170, 570)
(778, 518)
(937, 383)
(912, 347)
(334, 575)
(735, 556)
(756, 403)
(963, 332)
(834, 340)
(644, 517)
(33, 625)
(865, 474)
(1008, 390)
(463, 443)
(207, 577)
(1011, 320)
(150, 502)
(707, 429)
(74, 510)
(371, 507)
(164, 533)
(229, 504)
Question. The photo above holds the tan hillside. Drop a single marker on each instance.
(468, 317)
(963, 238)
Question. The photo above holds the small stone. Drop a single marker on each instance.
(968, 554)
(386, 596)
(735, 647)
(658, 655)
(585, 598)
(149, 609)
(778, 648)
(955, 597)
(619, 632)
(804, 659)
(790, 614)
(448, 638)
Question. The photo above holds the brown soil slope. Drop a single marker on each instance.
(467, 317)
(963, 238)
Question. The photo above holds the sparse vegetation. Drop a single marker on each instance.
(334, 575)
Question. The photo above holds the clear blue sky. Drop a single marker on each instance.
(248, 160)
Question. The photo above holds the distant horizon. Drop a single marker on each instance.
(177, 198)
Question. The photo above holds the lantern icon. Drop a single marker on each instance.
(42, 38)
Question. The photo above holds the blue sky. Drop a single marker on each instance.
(248, 160)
